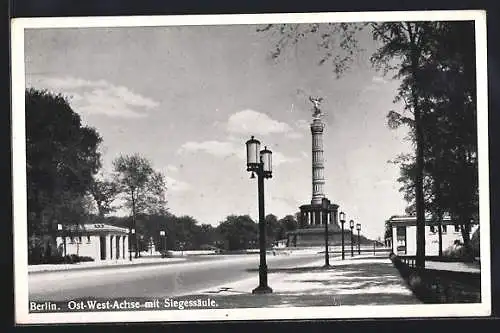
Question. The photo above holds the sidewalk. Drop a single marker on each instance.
(101, 264)
(362, 280)
(454, 266)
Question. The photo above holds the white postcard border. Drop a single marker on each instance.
(379, 311)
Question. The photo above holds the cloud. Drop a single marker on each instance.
(253, 122)
(303, 124)
(379, 79)
(70, 83)
(215, 148)
(172, 168)
(225, 149)
(294, 135)
(98, 97)
(175, 185)
(280, 158)
(376, 83)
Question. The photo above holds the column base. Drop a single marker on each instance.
(262, 290)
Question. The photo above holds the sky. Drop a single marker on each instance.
(189, 97)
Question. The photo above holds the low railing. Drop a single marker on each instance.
(439, 286)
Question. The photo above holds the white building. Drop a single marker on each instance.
(98, 241)
(404, 235)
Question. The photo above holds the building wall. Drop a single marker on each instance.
(431, 239)
(90, 246)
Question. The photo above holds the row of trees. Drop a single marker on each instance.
(435, 63)
(64, 183)
(236, 232)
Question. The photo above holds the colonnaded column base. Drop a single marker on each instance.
(262, 290)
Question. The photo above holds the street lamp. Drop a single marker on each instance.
(260, 163)
(351, 224)
(163, 242)
(325, 203)
(358, 228)
(60, 229)
(342, 221)
(141, 244)
(181, 247)
(130, 232)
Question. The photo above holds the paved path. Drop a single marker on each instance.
(166, 280)
(362, 280)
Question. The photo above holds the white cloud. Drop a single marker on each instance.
(215, 148)
(172, 168)
(253, 122)
(98, 97)
(303, 124)
(379, 79)
(226, 149)
(294, 135)
(175, 185)
(280, 158)
(67, 83)
(375, 84)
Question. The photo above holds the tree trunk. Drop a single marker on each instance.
(464, 228)
(419, 163)
(135, 227)
(440, 226)
(419, 186)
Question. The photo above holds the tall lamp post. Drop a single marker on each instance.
(342, 221)
(60, 229)
(351, 225)
(325, 205)
(358, 228)
(260, 163)
(131, 232)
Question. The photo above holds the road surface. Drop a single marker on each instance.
(165, 280)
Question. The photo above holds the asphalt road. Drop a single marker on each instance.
(166, 280)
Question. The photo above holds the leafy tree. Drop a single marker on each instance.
(446, 95)
(142, 188)
(337, 40)
(274, 230)
(206, 235)
(387, 230)
(61, 159)
(434, 62)
(104, 193)
(289, 223)
(238, 232)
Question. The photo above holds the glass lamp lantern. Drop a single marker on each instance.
(358, 227)
(266, 157)
(253, 158)
(59, 227)
(351, 224)
(342, 217)
(162, 233)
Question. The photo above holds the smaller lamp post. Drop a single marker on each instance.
(141, 244)
(131, 233)
(351, 225)
(181, 246)
(325, 203)
(358, 228)
(163, 243)
(60, 229)
(342, 221)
